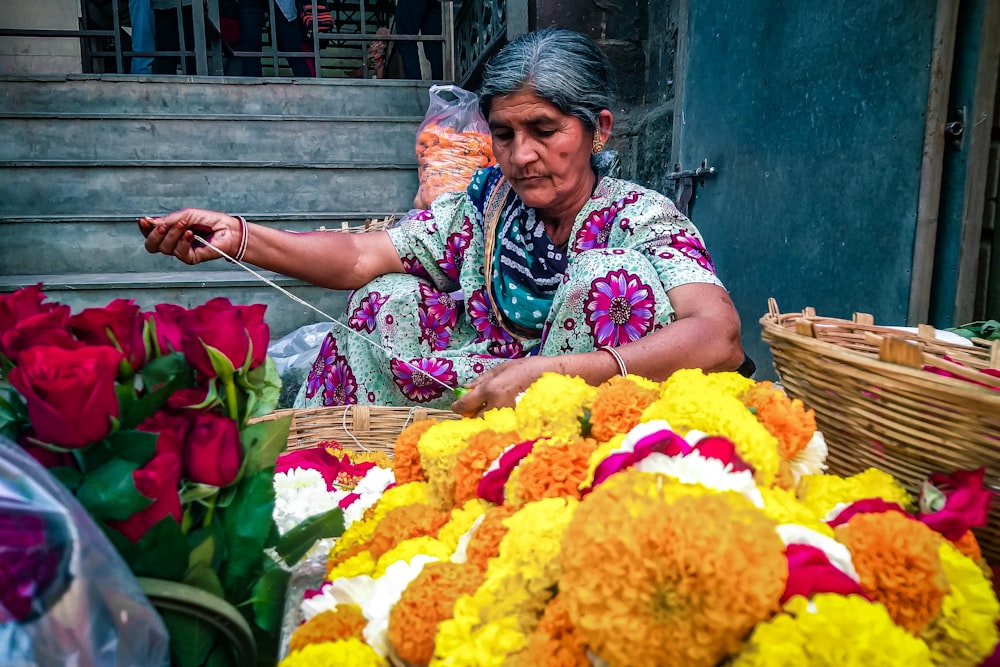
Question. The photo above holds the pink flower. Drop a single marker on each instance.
(491, 485)
(866, 506)
(810, 572)
(952, 504)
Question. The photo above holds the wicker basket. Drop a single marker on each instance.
(878, 405)
(362, 427)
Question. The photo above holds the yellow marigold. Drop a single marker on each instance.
(462, 642)
(399, 495)
(821, 493)
(461, 520)
(618, 406)
(692, 400)
(485, 542)
(552, 407)
(602, 452)
(830, 630)
(654, 575)
(406, 459)
(357, 533)
(344, 621)
(439, 450)
(898, 565)
(969, 545)
(426, 602)
(555, 642)
(354, 565)
(483, 448)
(500, 420)
(965, 632)
(784, 507)
(351, 652)
(403, 523)
(785, 418)
(552, 469)
(406, 550)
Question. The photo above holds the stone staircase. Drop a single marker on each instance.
(83, 156)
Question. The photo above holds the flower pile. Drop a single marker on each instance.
(689, 522)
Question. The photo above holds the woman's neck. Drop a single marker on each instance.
(559, 221)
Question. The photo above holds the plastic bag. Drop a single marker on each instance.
(66, 597)
(453, 141)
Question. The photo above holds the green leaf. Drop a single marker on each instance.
(109, 492)
(263, 442)
(247, 523)
(191, 639)
(269, 597)
(300, 539)
(221, 656)
(13, 412)
(135, 446)
(68, 476)
(192, 492)
(220, 362)
(160, 378)
(263, 387)
(162, 552)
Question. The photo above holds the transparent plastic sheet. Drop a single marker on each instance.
(293, 355)
(66, 596)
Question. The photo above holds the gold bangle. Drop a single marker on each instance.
(622, 370)
(244, 238)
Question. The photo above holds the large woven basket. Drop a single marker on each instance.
(358, 427)
(879, 406)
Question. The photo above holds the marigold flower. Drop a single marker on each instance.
(821, 493)
(618, 406)
(784, 507)
(552, 407)
(410, 493)
(968, 545)
(898, 565)
(832, 630)
(650, 571)
(965, 631)
(552, 469)
(483, 448)
(785, 418)
(351, 651)
(350, 564)
(439, 450)
(460, 521)
(406, 459)
(485, 542)
(406, 550)
(342, 622)
(403, 523)
(426, 602)
(555, 642)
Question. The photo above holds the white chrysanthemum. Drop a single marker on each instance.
(812, 459)
(299, 494)
(370, 489)
(839, 554)
(461, 551)
(694, 468)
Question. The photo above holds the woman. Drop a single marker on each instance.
(539, 266)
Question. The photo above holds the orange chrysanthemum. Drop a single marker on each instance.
(650, 572)
(485, 542)
(618, 406)
(341, 622)
(555, 641)
(786, 419)
(404, 523)
(898, 565)
(406, 459)
(428, 600)
(484, 447)
(551, 471)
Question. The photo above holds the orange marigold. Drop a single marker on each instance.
(485, 542)
(652, 577)
(969, 546)
(341, 622)
(406, 459)
(484, 447)
(403, 523)
(618, 406)
(785, 418)
(428, 600)
(555, 642)
(898, 565)
(346, 554)
(551, 471)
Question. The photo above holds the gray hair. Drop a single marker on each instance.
(561, 66)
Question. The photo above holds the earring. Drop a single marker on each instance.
(598, 144)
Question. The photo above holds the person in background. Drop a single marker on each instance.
(540, 265)
(414, 17)
(288, 31)
(143, 35)
(168, 35)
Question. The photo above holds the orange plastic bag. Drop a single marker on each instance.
(453, 141)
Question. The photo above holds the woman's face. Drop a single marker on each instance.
(544, 153)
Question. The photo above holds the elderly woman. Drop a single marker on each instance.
(540, 265)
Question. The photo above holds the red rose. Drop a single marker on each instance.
(26, 322)
(257, 330)
(173, 430)
(952, 504)
(70, 394)
(213, 450)
(119, 324)
(194, 398)
(217, 324)
(167, 319)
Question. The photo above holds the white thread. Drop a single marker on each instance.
(343, 422)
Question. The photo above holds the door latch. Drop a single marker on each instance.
(685, 183)
(954, 131)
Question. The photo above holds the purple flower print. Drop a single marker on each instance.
(413, 266)
(692, 248)
(339, 385)
(423, 380)
(433, 331)
(454, 250)
(619, 308)
(440, 306)
(363, 317)
(597, 227)
(324, 360)
(484, 320)
(511, 350)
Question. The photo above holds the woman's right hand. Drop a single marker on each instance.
(174, 234)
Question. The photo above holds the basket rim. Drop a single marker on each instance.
(953, 386)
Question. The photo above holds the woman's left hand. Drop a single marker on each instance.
(500, 386)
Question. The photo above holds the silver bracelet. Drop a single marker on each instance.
(622, 370)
